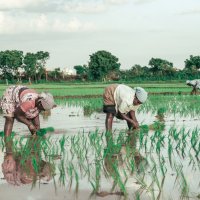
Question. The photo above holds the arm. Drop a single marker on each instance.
(36, 122)
(20, 116)
(131, 118)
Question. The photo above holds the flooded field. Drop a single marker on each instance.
(73, 160)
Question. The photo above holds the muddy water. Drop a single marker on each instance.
(72, 121)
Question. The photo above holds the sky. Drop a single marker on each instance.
(132, 30)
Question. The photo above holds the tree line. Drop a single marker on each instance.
(15, 65)
(102, 66)
(105, 66)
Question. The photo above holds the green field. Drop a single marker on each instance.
(98, 88)
(158, 161)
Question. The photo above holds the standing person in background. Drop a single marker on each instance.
(122, 101)
(24, 104)
(195, 84)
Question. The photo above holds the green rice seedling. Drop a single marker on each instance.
(121, 139)
(161, 113)
(160, 142)
(157, 126)
(184, 186)
(117, 178)
(178, 169)
(173, 133)
(170, 151)
(194, 140)
(144, 129)
(160, 191)
(97, 175)
(192, 162)
(163, 168)
(154, 173)
(2, 133)
(70, 169)
(44, 131)
(132, 166)
(62, 175)
(2, 144)
(35, 165)
(137, 196)
(144, 186)
(62, 143)
(77, 182)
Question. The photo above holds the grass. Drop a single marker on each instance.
(148, 157)
(86, 156)
(69, 89)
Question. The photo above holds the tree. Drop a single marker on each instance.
(160, 66)
(81, 71)
(34, 64)
(101, 64)
(42, 57)
(193, 62)
(10, 62)
(30, 62)
(138, 71)
(55, 74)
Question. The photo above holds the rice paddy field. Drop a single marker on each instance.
(70, 158)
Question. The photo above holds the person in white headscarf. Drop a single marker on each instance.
(24, 104)
(195, 84)
(122, 101)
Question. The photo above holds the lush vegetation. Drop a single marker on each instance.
(144, 161)
(102, 66)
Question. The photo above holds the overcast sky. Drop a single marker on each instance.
(132, 30)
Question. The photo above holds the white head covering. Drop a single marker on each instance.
(141, 94)
(188, 81)
(47, 100)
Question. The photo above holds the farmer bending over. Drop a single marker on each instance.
(24, 104)
(122, 101)
(195, 84)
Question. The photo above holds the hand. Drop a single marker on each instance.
(32, 129)
(135, 125)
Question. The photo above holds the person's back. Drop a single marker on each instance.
(195, 84)
(122, 101)
(124, 96)
(24, 104)
(22, 96)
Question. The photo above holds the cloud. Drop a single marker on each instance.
(143, 1)
(85, 7)
(73, 25)
(42, 24)
(19, 4)
(44, 6)
(190, 12)
(91, 6)
(116, 2)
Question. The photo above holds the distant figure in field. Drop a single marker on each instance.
(122, 101)
(195, 84)
(24, 104)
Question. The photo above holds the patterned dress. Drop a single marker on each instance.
(22, 96)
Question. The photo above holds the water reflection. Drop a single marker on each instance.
(131, 163)
(24, 165)
(121, 161)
